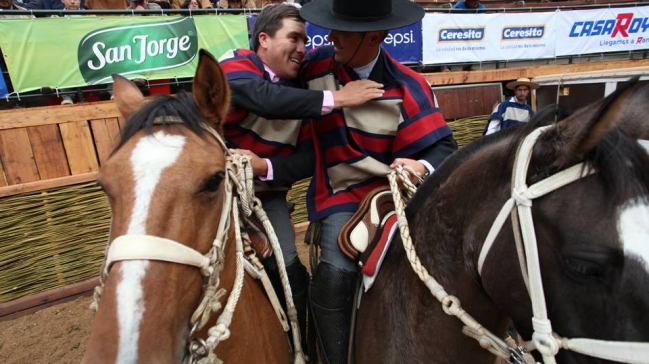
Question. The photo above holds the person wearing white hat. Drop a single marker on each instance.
(513, 111)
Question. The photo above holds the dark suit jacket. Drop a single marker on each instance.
(277, 101)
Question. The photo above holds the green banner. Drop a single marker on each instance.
(87, 50)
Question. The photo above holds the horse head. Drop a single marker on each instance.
(166, 182)
(579, 192)
(592, 236)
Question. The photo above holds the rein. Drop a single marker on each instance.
(239, 178)
(544, 339)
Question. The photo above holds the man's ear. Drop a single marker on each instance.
(263, 40)
(377, 37)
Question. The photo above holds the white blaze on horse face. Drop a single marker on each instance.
(645, 144)
(633, 227)
(152, 154)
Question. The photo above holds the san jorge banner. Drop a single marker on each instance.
(71, 52)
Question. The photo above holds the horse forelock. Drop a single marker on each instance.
(161, 108)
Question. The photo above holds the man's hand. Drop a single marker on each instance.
(259, 166)
(417, 166)
(356, 93)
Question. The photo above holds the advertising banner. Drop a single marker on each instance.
(79, 51)
(451, 38)
(602, 30)
(3, 85)
(403, 44)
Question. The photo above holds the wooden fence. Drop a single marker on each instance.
(54, 219)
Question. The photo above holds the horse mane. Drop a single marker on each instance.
(621, 164)
(164, 110)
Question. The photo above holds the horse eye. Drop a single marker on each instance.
(213, 184)
(583, 268)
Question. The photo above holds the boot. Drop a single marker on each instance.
(298, 278)
(331, 297)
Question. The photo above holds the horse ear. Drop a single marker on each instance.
(635, 122)
(576, 135)
(210, 90)
(128, 97)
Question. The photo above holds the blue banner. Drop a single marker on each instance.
(404, 44)
(3, 86)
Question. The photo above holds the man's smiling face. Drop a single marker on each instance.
(284, 51)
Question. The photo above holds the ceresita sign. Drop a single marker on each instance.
(137, 48)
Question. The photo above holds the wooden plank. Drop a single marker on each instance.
(3, 177)
(465, 102)
(49, 154)
(106, 135)
(16, 153)
(79, 147)
(499, 75)
(45, 184)
(448, 103)
(491, 97)
(26, 305)
(33, 116)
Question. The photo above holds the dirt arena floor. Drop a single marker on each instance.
(59, 334)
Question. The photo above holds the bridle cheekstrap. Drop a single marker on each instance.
(544, 339)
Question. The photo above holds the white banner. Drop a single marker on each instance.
(602, 30)
(452, 38)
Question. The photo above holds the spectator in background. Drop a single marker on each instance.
(469, 4)
(192, 4)
(513, 111)
(235, 4)
(72, 4)
(143, 5)
(106, 4)
(180, 4)
(9, 5)
(43, 5)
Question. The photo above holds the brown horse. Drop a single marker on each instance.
(167, 183)
(591, 239)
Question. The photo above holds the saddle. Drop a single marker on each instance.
(259, 241)
(368, 229)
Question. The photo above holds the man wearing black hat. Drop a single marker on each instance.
(357, 147)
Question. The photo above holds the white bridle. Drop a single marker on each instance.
(544, 339)
(238, 174)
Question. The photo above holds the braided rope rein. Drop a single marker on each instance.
(450, 304)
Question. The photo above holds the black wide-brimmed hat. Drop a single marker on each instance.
(362, 15)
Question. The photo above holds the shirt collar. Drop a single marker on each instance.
(514, 99)
(273, 77)
(364, 71)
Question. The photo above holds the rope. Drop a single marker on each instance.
(450, 304)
